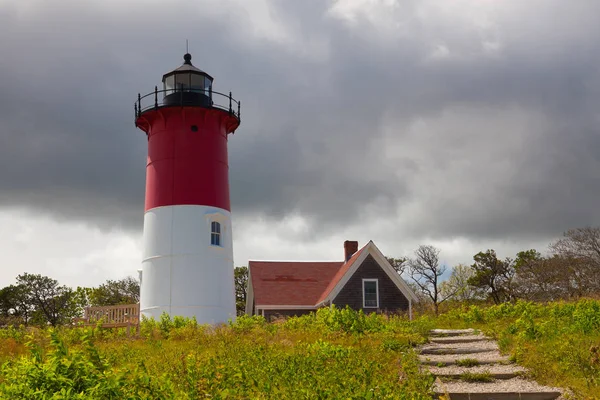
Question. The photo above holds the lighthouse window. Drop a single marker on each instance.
(215, 233)
(197, 83)
(182, 81)
(170, 82)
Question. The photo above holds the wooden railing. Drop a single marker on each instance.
(125, 315)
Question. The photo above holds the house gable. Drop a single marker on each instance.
(294, 288)
(390, 297)
(369, 250)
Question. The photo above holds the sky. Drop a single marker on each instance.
(464, 124)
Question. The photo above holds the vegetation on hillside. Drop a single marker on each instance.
(333, 354)
(558, 342)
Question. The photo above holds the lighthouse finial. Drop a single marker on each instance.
(187, 56)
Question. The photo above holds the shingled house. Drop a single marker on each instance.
(364, 280)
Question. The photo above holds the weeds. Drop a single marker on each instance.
(478, 377)
(331, 354)
(467, 362)
(557, 341)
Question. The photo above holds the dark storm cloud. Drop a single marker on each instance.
(337, 114)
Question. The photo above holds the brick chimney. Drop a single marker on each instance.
(350, 247)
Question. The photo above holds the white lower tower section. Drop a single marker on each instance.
(182, 272)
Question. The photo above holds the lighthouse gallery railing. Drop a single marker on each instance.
(157, 99)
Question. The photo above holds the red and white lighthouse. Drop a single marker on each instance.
(187, 266)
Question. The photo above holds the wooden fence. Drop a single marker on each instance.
(121, 316)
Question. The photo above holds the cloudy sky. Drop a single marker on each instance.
(466, 124)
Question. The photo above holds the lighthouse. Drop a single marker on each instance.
(187, 262)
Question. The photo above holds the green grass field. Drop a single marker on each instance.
(335, 354)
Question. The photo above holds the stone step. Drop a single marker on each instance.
(502, 371)
(509, 389)
(508, 382)
(448, 350)
(497, 375)
(489, 357)
(501, 396)
(453, 362)
(451, 332)
(459, 348)
(459, 339)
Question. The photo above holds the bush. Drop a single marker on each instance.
(335, 353)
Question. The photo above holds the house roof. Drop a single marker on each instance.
(340, 273)
(312, 283)
(291, 282)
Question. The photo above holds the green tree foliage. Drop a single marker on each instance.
(49, 302)
(457, 286)
(493, 275)
(241, 287)
(40, 300)
(111, 293)
(14, 304)
(399, 264)
(540, 278)
(579, 249)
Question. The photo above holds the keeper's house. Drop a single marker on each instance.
(364, 280)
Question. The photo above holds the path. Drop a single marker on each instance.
(468, 366)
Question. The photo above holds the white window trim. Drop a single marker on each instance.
(376, 290)
(223, 219)
(221, 229)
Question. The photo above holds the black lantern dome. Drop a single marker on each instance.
(187, 85)
(184, 87)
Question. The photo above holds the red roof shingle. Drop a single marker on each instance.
(289, 282)
(296, 283)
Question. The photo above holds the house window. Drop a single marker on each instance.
(370, 293)
(215, 233)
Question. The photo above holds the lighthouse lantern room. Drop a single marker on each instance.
(187, 262)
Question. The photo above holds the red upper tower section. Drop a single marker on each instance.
(187, 124)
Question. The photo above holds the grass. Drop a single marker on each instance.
(477, 377)
(333, 354)
(328, 355)
(554, 341)
(467, 362)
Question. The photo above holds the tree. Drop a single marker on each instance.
(14, 304)
(50, 302)
(425, 270)
(580, 251)
(111, 293)
(241, 287)
(542, 278)
(580, 243)
(399, 264)
(457, 286)
(493, 275)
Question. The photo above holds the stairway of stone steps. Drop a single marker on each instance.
(468, 366)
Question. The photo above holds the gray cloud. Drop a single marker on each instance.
(480, 123)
